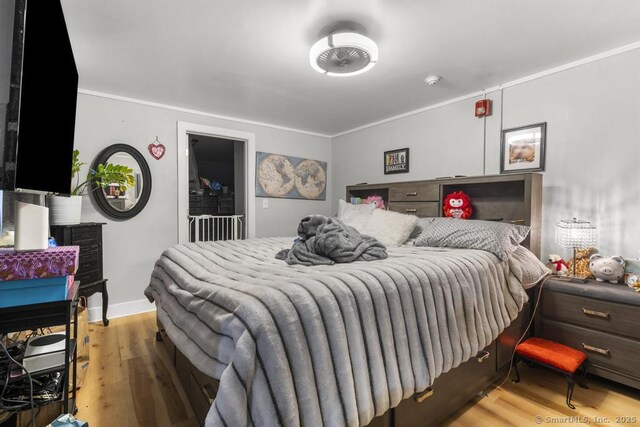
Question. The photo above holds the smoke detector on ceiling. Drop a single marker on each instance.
(342, 54)
(433, 80)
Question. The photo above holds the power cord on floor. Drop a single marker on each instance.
(6, 383)
(524, 334)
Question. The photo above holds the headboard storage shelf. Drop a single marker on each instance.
(514, 198)
(365, 190)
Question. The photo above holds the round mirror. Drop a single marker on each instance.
(122, 183)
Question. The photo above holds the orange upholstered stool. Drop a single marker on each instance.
(555, 356)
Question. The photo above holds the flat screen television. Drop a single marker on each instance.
(38, 94)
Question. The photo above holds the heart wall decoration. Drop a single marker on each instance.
(157, 149)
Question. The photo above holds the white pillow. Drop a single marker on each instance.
(355, 215)
(390, 228)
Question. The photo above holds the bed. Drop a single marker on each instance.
(402, 341)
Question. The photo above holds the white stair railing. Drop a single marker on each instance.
(209, 228)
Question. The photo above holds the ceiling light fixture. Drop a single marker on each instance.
(343, 54)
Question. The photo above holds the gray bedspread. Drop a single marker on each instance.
(325, 241)
(327, 345)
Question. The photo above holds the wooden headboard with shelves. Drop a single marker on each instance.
(513, 198)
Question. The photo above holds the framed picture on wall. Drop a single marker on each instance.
(396, 161)
(522, 148)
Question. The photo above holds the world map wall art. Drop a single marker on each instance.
(289, 177)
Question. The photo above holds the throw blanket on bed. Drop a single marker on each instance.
(325, 241)
(327, 345)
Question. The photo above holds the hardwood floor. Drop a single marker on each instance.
(129, 383)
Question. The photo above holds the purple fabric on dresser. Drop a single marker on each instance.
(52, 262)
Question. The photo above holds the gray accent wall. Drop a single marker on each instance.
(131, 247)
(593, 147)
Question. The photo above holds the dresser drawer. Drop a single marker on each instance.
(87, 277)
(201, 393)
(474, 374)
(414, 193)
(89, 255)
(183, 369)
(613, 317)
(200, 401)
(429, 209)
(79, 234)
(606, 350)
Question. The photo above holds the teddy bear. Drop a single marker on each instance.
(377, 201)
(457, 205)
(557, 265)
(633, 281)
(582, 263)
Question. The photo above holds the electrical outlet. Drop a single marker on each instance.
(265, 203)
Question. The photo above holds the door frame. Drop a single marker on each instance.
(249, 139)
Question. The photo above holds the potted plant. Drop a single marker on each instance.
(67, 210)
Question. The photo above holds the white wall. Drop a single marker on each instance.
(442, 142)
(132, 246)
(593, 146)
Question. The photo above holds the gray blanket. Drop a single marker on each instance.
(326, 241)
(327, 345)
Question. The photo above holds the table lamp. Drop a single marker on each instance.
(575, 234)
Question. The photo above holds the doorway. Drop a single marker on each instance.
(216, 175)
(216, 200)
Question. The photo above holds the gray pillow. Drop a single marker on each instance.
(499, 238)
(421, 224)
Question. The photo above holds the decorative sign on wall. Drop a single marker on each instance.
(289, 177)
(157, 149)
(396, 161)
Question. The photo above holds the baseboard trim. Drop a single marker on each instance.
(122, 309)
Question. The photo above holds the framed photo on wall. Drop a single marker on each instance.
(522, 149)
(396, 161)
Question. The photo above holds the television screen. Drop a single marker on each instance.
(38, 142)
(6, 39)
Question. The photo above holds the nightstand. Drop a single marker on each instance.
(88, 236)
(601, 319)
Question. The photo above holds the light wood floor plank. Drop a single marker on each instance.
(130, 379)
(128, 382)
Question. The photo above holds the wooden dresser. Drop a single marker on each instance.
(603, 320)
(88, 236)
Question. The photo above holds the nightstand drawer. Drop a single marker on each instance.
(616, 318)
(414, 193)
(602, 349)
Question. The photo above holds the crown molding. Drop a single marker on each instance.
(195, 112)
(548, 72)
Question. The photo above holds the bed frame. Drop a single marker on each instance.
(514, 198)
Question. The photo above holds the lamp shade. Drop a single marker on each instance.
(575, 233)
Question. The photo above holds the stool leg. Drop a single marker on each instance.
(570, 384)
(582, 382)
(515, 368)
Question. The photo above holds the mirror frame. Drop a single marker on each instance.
(99, 196)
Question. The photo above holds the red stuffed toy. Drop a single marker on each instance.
(457, 205)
